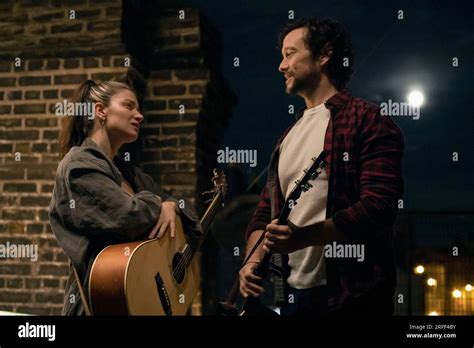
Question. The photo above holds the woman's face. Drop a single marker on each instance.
(123, 117)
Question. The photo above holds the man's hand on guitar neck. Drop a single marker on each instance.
(285, 239)
(166, 220)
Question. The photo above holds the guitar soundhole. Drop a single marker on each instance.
(179, 268)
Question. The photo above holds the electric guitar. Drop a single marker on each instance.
(253, 306)
(153, 277)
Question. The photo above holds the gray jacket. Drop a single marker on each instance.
(89, 211)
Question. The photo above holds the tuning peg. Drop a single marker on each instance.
(306, 186)
(297, 182)
(208, 201)
(215, 174)
(207, 192)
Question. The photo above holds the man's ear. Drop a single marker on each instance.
(325, 56)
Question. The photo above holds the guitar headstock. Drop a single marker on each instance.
(220, 184)
(311, 173)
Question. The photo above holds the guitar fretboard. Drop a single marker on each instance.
(206, 220)
(211, 212)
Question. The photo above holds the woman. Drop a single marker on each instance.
(99, 199)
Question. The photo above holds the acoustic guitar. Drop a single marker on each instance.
(153, 277)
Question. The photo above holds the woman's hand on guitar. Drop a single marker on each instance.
(166, 220)
(249, 282)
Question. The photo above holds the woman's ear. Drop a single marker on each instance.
(99, 110)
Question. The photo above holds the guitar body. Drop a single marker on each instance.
(145, 278)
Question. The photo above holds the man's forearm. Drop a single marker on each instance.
(257, 256)
(322, 233)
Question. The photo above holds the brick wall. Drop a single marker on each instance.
(44, 55)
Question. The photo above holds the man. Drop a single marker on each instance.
(338, 237)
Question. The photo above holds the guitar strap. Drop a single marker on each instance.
(279, 283)
(81, 291)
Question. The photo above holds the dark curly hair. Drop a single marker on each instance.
(321, 32)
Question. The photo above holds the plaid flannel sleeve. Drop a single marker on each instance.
(261, 216)
(381, 183)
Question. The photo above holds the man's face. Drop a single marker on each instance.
(302, 72)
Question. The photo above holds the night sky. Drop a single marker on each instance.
(393, 57)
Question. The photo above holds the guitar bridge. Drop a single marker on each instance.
(163, 294)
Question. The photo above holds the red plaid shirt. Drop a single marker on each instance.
(362, 199)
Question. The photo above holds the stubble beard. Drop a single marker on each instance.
(305, 83)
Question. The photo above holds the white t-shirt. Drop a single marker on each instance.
(305, 141)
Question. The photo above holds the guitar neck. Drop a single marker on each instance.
(312, 174)
(206, 220)
(265, 262)
(211, 213)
